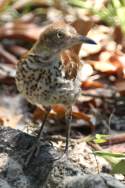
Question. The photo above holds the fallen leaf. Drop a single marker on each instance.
(8, 80)
(91, 84)
(105, 67)
(3, 4)
(82, 115)
(119, 167)
(58, 112)
(82, 27)
(20, 30)
(119, 148)
(110, 63)
(38, 114)
(1, 121)
(118, 34)
(17, 50)
(20, 4)
(9, 58)
(120, 86)
(9, 119)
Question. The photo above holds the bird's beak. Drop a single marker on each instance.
(84, 39)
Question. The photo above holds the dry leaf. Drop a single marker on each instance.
(81, 115)
(8, 80)
(9, 119)
(120, 86)
(58, 112)
(118, 148)
(38, 114)
(3, 4)
(118, 34)
(82, 27)
(17, 50)
(20, 30)
(1, 121)
(105, 67)
(9, 58)
(91, 84)
(110, 63)
(20, 4)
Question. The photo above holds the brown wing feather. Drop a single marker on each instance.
(71, 63)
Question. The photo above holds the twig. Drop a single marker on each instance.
(114, 139)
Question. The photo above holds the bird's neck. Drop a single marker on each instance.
(44, 56)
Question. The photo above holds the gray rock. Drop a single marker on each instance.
(44, 171)
(93, 181)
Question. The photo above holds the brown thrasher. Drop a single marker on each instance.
(49, 73)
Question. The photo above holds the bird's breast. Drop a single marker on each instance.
(46, 85)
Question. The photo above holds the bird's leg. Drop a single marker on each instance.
(48, 109)
(34, 150)
(68, 117)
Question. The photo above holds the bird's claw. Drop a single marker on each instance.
(32, 152)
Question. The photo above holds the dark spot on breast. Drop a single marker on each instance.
(39, 78)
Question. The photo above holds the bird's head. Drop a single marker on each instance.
(58, 37)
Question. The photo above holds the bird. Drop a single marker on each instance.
(49, 73)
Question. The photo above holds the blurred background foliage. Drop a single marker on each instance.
(110, 12)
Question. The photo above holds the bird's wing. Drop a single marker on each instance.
(70, 63)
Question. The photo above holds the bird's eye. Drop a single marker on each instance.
(60, 35)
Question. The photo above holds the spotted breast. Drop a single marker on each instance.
(47, 84)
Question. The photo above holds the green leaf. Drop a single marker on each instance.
(100, 138)
(119, 168)
(79, 3)
(106, 153)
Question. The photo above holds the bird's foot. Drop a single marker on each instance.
(64, 155)
(33, 151)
